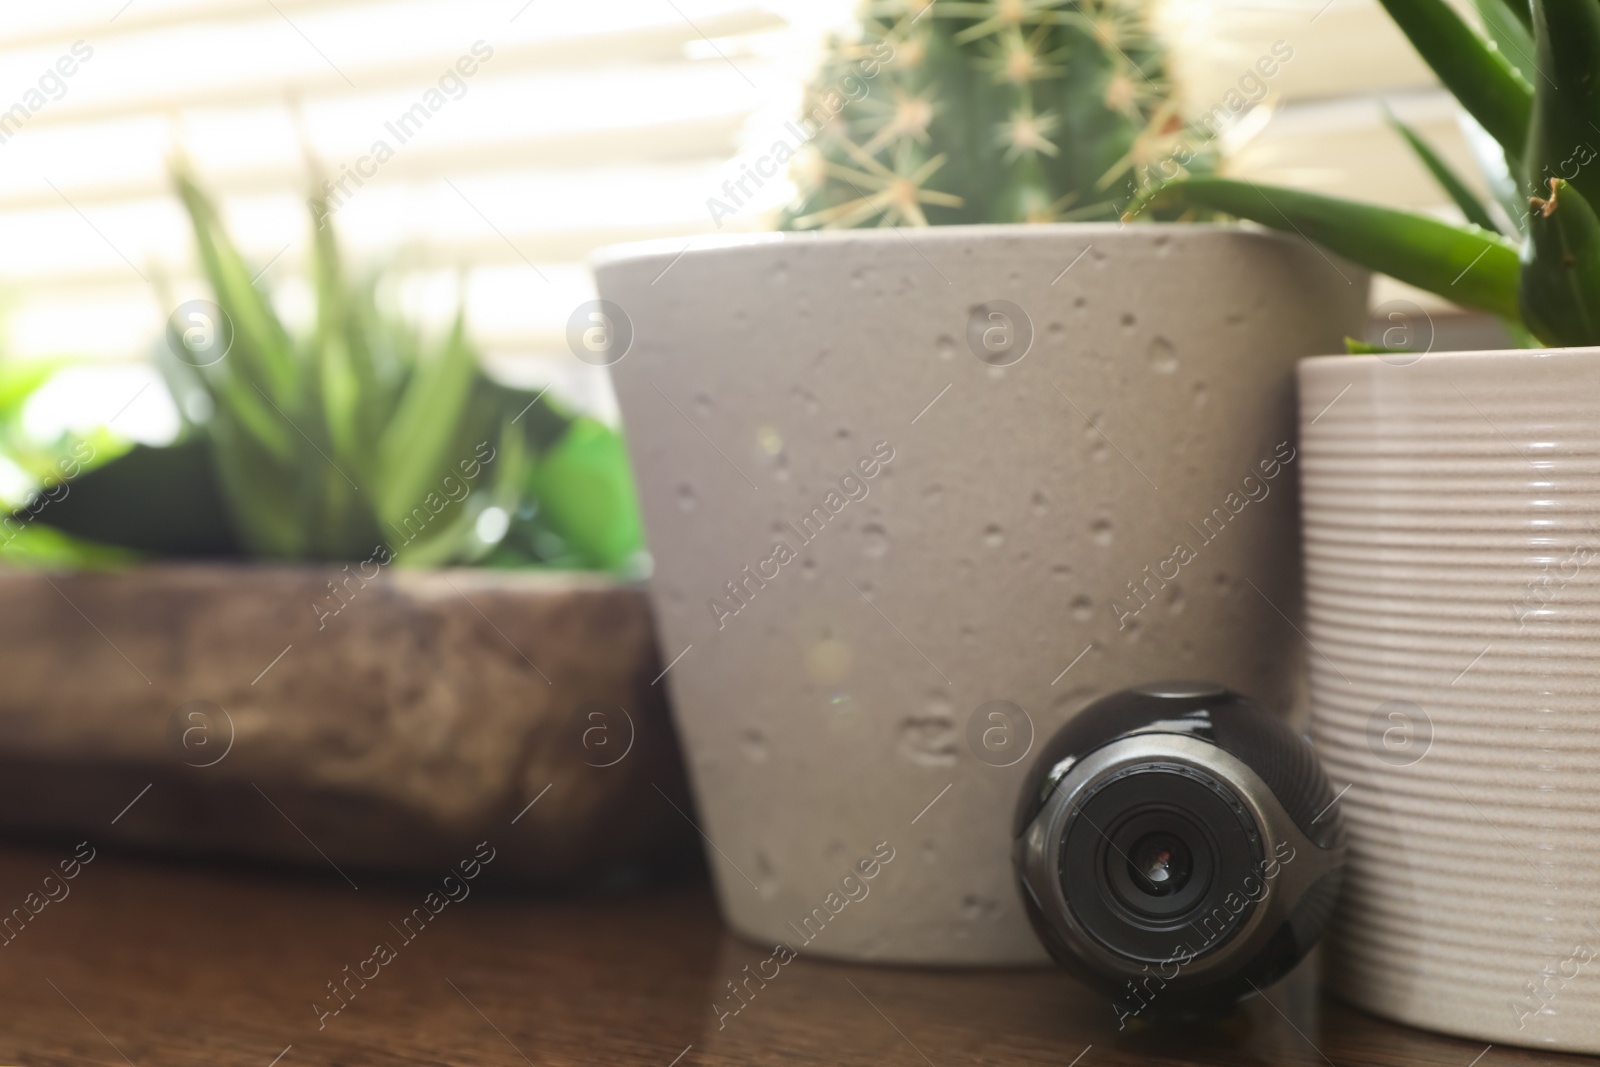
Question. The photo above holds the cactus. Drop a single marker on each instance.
(943, 111)
(1529, 84)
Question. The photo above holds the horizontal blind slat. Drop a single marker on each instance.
(662, 43)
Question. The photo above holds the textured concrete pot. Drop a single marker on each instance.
(893, 477)
(1452, 524)
(255, 712)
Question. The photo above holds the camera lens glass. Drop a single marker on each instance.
(1157, 862)
(1159, 858)
(1160, 864)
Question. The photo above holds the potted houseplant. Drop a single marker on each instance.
(918, 491)
(1450, 542)
(256, 631)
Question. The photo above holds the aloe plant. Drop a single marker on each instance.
(991, 111)
(361, 432)
(1531, 85)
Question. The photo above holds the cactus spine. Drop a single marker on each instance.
(944, 111)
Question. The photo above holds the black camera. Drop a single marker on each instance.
(1178, 847)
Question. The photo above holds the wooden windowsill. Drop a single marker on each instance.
(147, 963)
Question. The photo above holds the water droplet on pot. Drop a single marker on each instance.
(1161, 357)
(686, 498)
(993, 536)
(1201, 396)
(1128, 321)
(1176, 600)
(702, 404)
(1061, 572)
(769, 440)
(766, 876)
(946, 346)
(933, 494)
(1102, 530)
(807, 399)
(1041, 506)
(1082, 609)
(928, 740)
(754, 746)
(875, 540)
(979, 909)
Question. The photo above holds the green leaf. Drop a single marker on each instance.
(1365, 348)
(161, 500)
(261, 345)
(1521, 336)
(45, 548)
(1561, 142)
(416, 449)
(344, 373)
(500, 483)
(261, 492)
(1491, 159)
(1482, 79)
(586, 495)
(1465, 265)
(1510, 26)
(1561, 271)
(1521, 11)
(1464, 197)
(19, 381)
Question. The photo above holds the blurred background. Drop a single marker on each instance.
(579, 126)
(307, 282)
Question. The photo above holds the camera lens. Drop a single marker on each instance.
(1160, 864)
(1149, 857)
(1157, 863)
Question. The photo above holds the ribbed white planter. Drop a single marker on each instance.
(864, 533)
(1452, 524)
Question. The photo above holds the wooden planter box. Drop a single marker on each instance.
(313, 716)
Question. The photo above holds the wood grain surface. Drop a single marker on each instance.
(140, 963)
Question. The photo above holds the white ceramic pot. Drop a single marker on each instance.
(1452, 524)
(864, 533)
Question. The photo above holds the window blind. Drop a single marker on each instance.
(486, 147)
(482, 148)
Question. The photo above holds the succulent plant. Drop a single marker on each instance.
(1529, 85)
(362, 435)
(944, 111)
